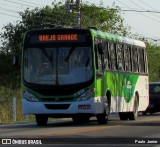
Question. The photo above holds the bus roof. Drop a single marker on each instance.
(114, 37)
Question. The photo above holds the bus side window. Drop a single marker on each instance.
(145, 61)
(120, 61)
(127, 59)
(141, 60)
(135, 59)
(113, 56)
(106, 56)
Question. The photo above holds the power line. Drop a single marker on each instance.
(137, 4)
(11, 6)
(142, 7)
(12, 11)
(30, 3)
(9, 15)
(8, 10)
(140, 13)
(150, 7)
(134, 10)
(147, 5)
(19, 3)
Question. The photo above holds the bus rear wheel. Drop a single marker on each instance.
(123, 115)
(130, 115)
(133, 115)
(41, 119)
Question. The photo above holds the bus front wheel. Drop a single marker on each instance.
(80, 119)
(41, 119)
(102, 118)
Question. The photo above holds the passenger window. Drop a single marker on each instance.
(135, 59)
(113, 56)
(127, 59)
(106, 56)
(120, 57)
(141, 60)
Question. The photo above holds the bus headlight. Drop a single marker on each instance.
(29, 96)
(87, 95)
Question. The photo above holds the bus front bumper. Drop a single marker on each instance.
(91, 106)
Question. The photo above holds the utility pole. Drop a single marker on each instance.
(74, 7)
(78, 16)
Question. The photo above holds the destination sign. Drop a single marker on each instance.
(51, 38)
(62, 37)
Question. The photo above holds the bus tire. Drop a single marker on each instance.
(41, 119)
(144, 113)
(133, 115)
(85, 119)
(80, 119)
(102, 118)
(75, 119)
(123, 115)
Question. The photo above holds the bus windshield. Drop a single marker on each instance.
(58, 66)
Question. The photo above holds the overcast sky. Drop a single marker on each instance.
(145, 23)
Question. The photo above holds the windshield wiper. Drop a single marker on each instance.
(69, 54)
(87, 62)
(45, 53)
(49, 57)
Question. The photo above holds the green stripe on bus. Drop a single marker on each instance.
(119, 84)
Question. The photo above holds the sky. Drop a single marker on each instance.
(144, 23)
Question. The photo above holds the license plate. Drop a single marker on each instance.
(84, 106)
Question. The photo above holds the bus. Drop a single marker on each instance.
(83, 73)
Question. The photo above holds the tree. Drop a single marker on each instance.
(52, 17)
(105, 19)
(153, 52)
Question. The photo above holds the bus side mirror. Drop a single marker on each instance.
(15, 60)
(99, 74)
(100, 48)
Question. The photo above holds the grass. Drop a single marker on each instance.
(6, 106)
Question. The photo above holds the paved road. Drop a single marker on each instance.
(115, 131)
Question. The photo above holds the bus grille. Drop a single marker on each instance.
(57, 106)
(58, 99)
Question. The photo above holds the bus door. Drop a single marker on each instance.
(99, 70)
